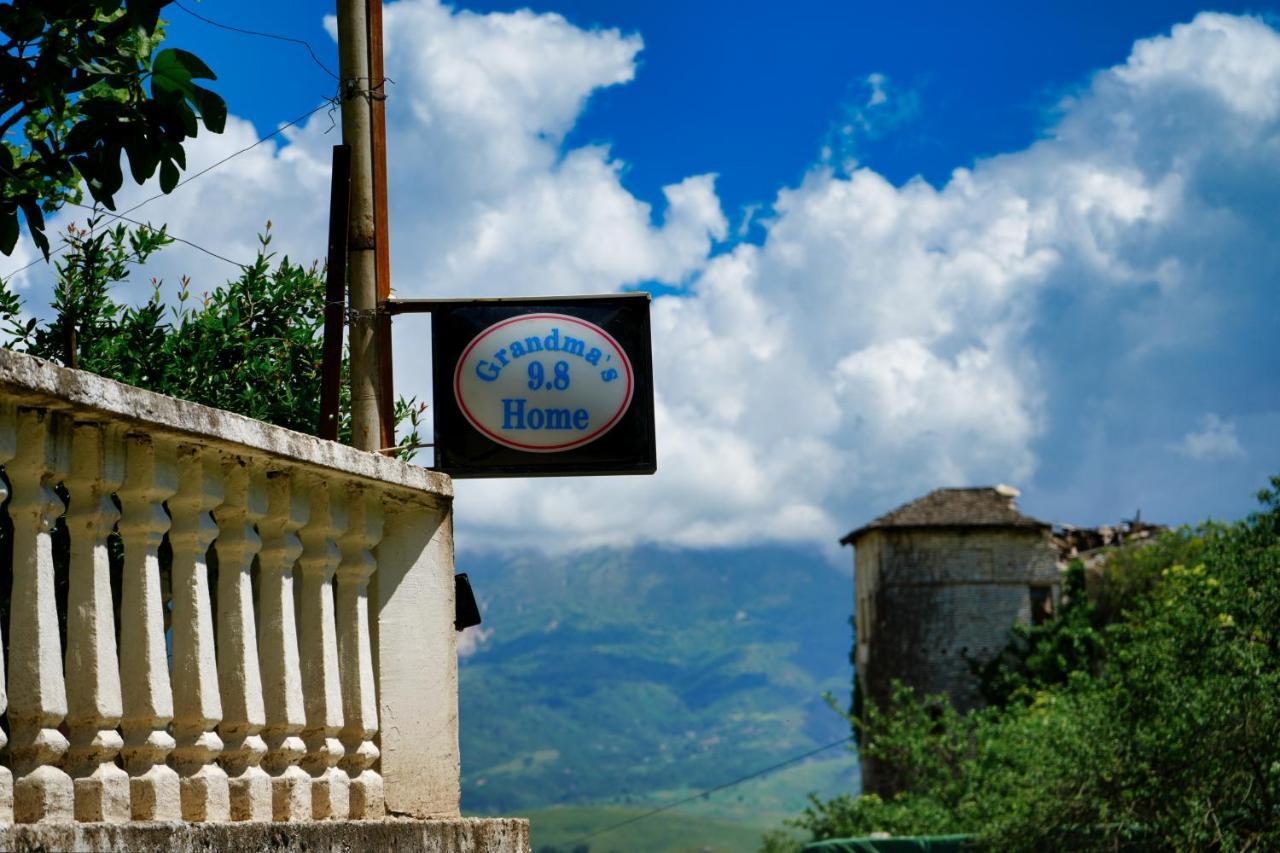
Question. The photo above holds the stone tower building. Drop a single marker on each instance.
(940, 580)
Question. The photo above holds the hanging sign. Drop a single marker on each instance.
(543, 386)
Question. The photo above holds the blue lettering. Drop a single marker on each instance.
(533, 344)
(609, 375)
(573, 346)
(501, 355)
(517, 349)
(593, 357)
(513, 410)
(517, 416)
(487, 371)
(552, 341)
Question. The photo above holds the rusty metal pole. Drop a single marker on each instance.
(357, 97)
(382, 332)
(335, 293)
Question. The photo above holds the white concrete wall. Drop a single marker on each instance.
(416, 661)
(318, 508)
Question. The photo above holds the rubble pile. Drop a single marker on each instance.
(1084, 543)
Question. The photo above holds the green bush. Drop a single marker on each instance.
(1040, 656)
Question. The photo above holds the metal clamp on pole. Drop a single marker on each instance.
(355, 315)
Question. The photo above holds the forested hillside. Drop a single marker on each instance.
(637, 676)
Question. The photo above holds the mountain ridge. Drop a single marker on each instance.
(613, 675)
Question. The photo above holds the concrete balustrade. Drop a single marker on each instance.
(318, 650)
(93, 693)
(197, 707)
(355, 660)
(151, 478)
(239, 675)
(287, 511)
(42, 790)
(229, 655)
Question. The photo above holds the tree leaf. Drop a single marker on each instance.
(169, 75)
(96, 68)
(168, 176)
(144, 14)
(8, 231)
(212, 109)
(35, 225)
(143, 158)
(174, 152)
(194, 65)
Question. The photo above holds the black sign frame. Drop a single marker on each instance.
(461, 451)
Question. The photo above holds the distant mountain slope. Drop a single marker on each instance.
(636, 676)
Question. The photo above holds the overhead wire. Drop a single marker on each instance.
(169, 234)
(276, 36)
(279, 130)
(709, 791)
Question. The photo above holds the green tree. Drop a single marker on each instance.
(81, 83)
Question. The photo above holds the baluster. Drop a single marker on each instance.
(197, 706)
(359, 703)
(287, 510)
(319, 651)
(8, 447)
(93, 675)
(238, 675)
(151, 477)
(37, 700)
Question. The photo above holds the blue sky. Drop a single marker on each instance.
(899, 247)
(749, 90)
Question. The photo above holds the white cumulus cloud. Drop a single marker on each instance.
(1214, 440)
(881, 340)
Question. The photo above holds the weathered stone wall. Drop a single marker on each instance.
(928, 599)
(456, 835)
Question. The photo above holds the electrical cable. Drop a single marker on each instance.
(709, 791)
(171, 236)
(275, 36)
(329, 102)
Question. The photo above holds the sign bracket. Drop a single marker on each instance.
(430, 306)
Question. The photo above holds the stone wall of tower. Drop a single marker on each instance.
(927, 599)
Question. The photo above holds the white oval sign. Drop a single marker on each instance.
(543, 382)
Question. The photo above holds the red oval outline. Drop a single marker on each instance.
(556, 448)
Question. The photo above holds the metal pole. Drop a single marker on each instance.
(358, 92)
(382, 332)
(335, 293)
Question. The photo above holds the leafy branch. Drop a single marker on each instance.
(85, 84)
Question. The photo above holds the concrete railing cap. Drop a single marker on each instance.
(34, 382)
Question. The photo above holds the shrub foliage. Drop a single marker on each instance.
(253, 346)
(1148, 719)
